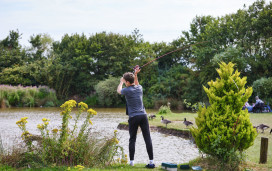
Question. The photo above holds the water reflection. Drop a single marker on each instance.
(166, 148)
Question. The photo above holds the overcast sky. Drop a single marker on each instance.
(157, 20)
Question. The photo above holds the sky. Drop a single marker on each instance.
(157, 20)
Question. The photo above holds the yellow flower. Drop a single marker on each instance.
(21, 123)
(55, 130)
(44, 120)
(90, 122)
(125, 155)
(46, 123)
(115, 131)
(25, 134)
(116, 140)
(40, 126)
(91, 111)
(83, 105)
(79, 167)
(24, 118)
(69, 104)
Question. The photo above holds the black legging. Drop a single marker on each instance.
(134, 123)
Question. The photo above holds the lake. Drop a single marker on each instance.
(166, 148)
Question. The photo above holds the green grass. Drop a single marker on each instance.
(176, 118)
(253, 153)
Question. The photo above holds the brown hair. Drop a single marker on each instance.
(129, 76)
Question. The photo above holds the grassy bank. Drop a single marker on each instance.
(252, 153)
(31, 96)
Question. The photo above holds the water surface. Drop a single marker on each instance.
(166, 148)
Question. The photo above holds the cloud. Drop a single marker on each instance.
(157, 20)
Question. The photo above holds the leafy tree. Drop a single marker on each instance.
(263, 88)
(223, 126)
(16, 75)
(247, 30)
(10, 51)
(12, 41)
(106, 92)
(41, 45)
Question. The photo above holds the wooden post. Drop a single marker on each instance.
(263, 151)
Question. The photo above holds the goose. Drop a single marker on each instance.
(187, 123)
(263, 127)
(152, 116)
(165, 121)
(256, 127)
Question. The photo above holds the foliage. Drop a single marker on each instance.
(77, 63)
(195, 107)
(106, 92)
(223, 126)
(66, 146)
(28, 96)
(263, 88)
(229, 158)
(164, 110)
(10, 51)
(91, 100)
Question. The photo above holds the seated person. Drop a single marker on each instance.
(247, 105)
(258, 105)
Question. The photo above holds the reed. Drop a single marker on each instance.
(31, 96)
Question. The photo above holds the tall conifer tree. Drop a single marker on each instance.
(223, 126)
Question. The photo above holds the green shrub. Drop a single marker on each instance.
(43, 92)
(229, 158)
(164, 110)
(224, 126)
(148, 102)
(195, 106)
(263, 89)
(91, 100)
(49, 104)
(106, 92)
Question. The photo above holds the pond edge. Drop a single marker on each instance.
(186, 134)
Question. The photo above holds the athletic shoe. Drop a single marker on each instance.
(151, 166)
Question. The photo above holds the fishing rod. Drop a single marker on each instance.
(167, 54)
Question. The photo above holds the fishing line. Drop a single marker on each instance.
(168, 54)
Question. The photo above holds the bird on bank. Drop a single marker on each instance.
(256, 127)
(151, 116)
(187, 123)
(263, 127)
(165, 121)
